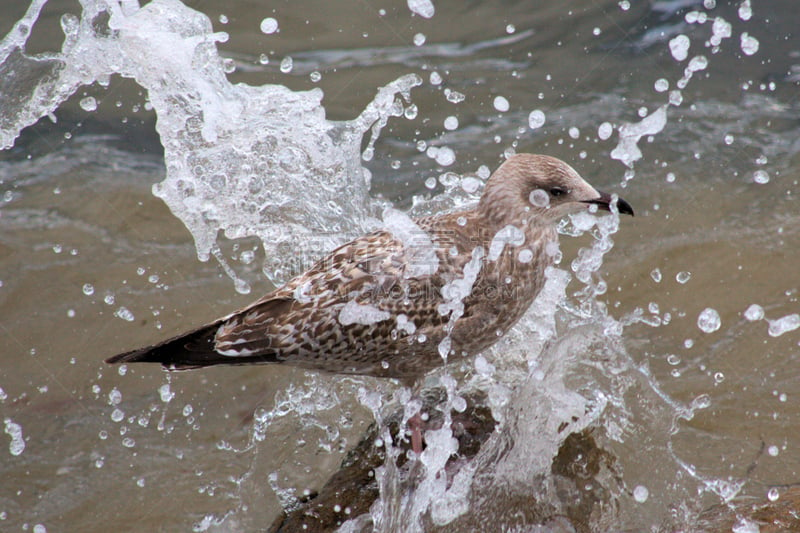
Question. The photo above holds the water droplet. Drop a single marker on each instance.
(661, 85)
(125, 314)
(14, 430)
(70, 24)
(269, 25)
(228, 65)
(536, 119)
(247, 256)
(754, 312)
(287, 64)
(761, 177)
(315, 76)
(783, 325)
(679, 47)
(683, 277)
(701, 402)
(773, 450)
(525, 256)
(423, 8)
(450, 123)
(773, 494)
(114, 397)
(745, 11)
(444, 156)
(605, 130)
(708, 320)
(459, 404)
(88, 104)
(640, 493)
(656, 275)
(470, 184)
(501, 104)
(419, 39)
(749, 44)
(539, 198)
(165, 393)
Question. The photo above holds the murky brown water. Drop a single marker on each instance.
(81, 236)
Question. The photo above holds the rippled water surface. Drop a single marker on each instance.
(677, 349)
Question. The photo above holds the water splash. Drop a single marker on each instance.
(241, 160)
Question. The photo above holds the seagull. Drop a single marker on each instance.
(408, 298)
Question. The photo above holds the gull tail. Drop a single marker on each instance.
(193, 349)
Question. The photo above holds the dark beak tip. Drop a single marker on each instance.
(624, 207)
(604, 202)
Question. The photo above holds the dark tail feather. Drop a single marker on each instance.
(193, 349)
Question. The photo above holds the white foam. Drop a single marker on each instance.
(355, 313)
(417, 244)
(627, 151)
(509, 235)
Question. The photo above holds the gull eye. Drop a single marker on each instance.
(555, 192)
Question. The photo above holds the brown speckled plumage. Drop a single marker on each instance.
(303, 323)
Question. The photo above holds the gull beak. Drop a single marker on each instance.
(604, 202)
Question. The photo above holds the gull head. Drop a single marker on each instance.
(543, 188)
